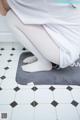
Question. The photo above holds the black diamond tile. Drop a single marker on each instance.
(0, 88)
(34, 88)
(2, 49)
(3, 77)
(34, 103)
(74, 103)
(13, 49)
(54, 103)
(16, 89)
(6, 68)
(9, 60)
(69, 88)
(24, 49)
(13, 104)
(52, 88)
(11, 54)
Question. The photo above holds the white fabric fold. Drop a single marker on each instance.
(44, 11)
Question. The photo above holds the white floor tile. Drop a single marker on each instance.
(24, 96)
(2, 71)
(25, 112)
(24, 87)
(3, 63)
(13, 65)
(5, 109)
(11, 73)
(0, 81)
(75, 86)
(76, 94)
(45, 112)
(78, 109)
(8, 84)
(6, 96)
(43, 96)
(60, 86)
(62, 96)
(67, 112)
(16, 55)
(43, 86)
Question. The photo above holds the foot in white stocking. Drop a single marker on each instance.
(37, 66)
(30, 59)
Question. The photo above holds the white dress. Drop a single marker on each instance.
(60, 20)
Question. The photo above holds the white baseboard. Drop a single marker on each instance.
(6, 37)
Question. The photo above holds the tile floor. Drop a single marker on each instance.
(18, 102)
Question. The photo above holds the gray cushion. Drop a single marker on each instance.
(66, 76)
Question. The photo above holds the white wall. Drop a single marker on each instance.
(5, 35)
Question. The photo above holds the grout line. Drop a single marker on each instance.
(75, 107)
(13, 108)
(38, 103)
(55, 108)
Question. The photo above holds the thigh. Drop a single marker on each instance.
(43, 42)
(38, 36)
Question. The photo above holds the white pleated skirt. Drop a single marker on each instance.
(67, 38)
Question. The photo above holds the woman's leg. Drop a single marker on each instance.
(17, 28)
(42, 64)
(38, 42)
(44, 44)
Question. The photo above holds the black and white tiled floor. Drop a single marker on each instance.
(31, 102)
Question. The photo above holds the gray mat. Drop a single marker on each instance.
(66, 76)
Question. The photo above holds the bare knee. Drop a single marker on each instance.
(53, 57)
